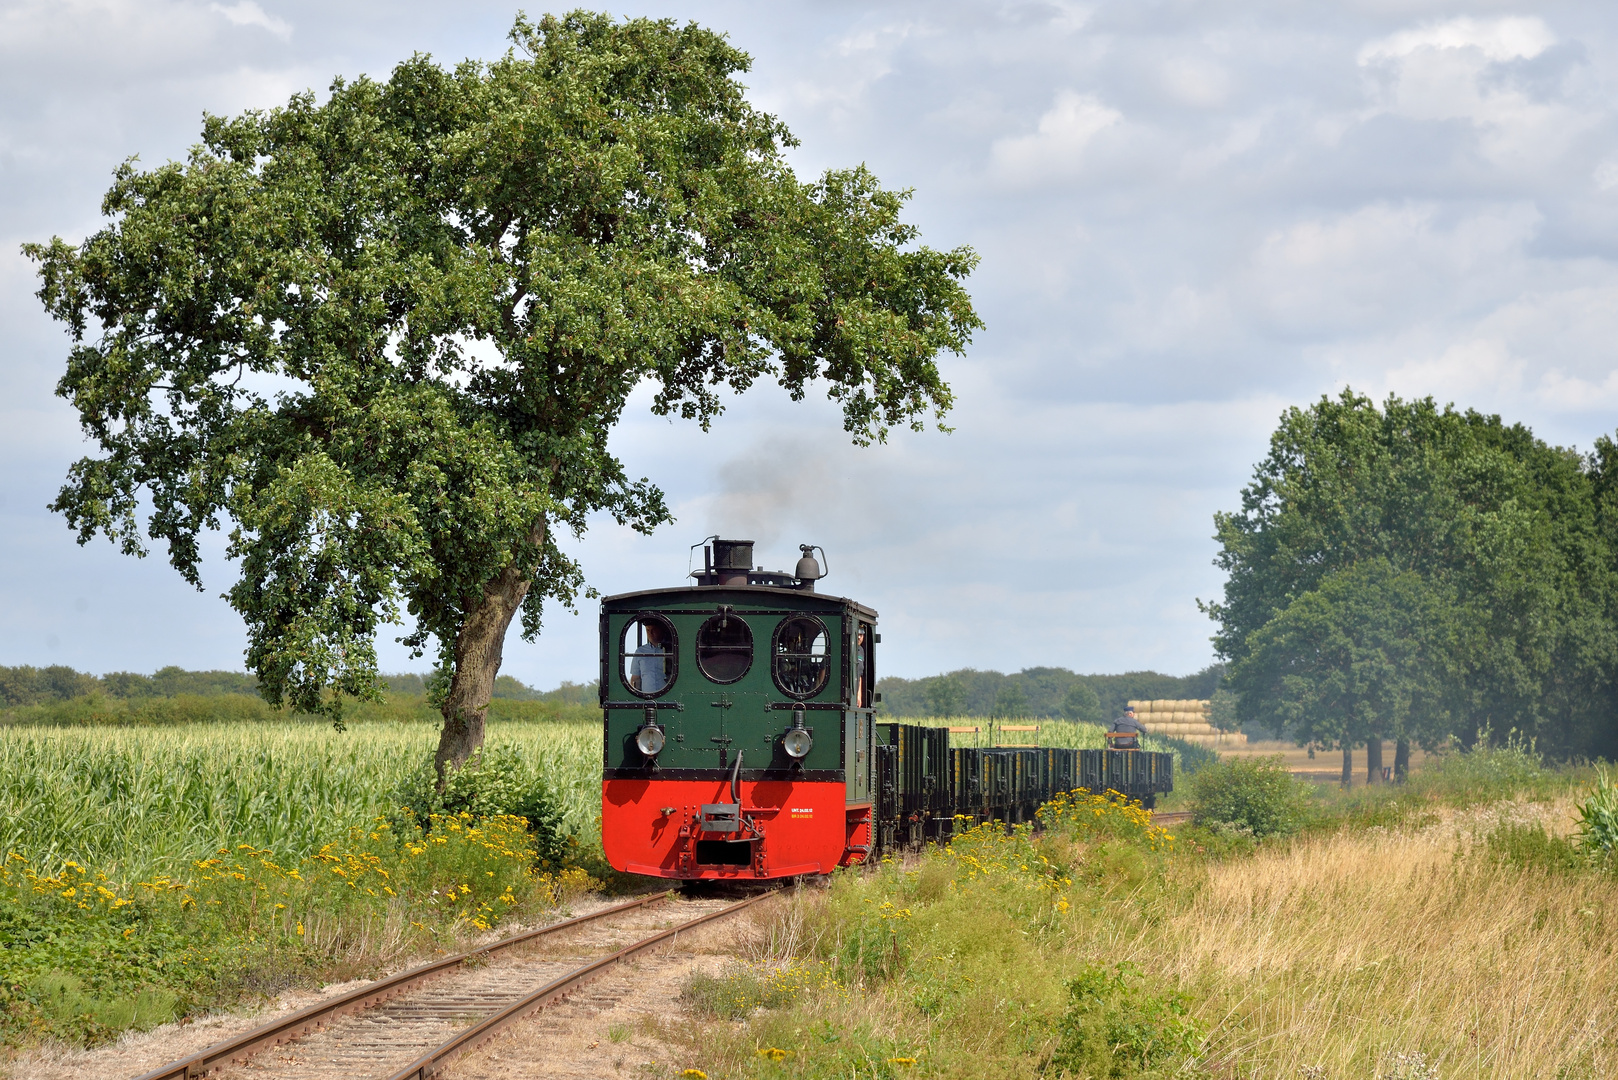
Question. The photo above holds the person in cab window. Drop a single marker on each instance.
(862, 693)
(648, 670)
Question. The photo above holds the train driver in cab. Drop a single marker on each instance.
(649, 666)
(862, 690)
(1126, 731)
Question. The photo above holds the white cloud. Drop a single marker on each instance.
(1507, 38)
(1444, 72)
(247, 13)
(1467, 371)
(1057, 146)
(1196, 81)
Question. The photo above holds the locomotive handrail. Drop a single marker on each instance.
(677, 706)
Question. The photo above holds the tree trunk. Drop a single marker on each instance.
(1401, 760)
(1348, 765)
(478, 651)
(1373, 760)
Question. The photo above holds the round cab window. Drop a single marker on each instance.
(724, 648)
(649, 655)
(801, 664)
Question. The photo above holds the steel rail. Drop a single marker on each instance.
(306, 1020)
(1173, 817)
(430, 1063)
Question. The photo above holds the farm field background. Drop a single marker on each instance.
(137, 802)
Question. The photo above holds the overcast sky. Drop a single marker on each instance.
(1191, 216)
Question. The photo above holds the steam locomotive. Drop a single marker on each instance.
(740, 737)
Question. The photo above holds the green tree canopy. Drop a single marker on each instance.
(1425, 571)
(387, 335)
(1081, 703)
(1365, 655)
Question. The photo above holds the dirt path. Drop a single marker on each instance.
(1326, 767)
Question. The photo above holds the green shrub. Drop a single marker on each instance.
(732, 996)
(1530, 847)
(63, 999)
(1189, 757)
(1253, 794)
(494, 781)
(1114, 1027)
(1487, 773)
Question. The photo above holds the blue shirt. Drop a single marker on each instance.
(649, 668)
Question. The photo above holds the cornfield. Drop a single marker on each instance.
(139, 803)
(1066, 734)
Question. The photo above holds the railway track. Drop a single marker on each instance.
(1176, 817)
(411, 1025)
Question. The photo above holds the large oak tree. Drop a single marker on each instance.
(385, 336)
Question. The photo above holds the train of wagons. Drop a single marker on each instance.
(741, 738)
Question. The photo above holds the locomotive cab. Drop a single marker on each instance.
(737, 723)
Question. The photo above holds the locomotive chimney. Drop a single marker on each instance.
(732, 559)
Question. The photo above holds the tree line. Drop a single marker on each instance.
(1420, 574)
(57, 683)
(1037, 692)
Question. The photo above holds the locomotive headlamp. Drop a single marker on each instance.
(797, 742)
(650, 739)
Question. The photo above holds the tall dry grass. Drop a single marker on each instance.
(1335, 955)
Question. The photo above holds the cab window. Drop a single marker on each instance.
(801, 664)
(724, 648)
(649, 655)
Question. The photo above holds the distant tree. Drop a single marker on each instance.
(388, 335)
(512, 689)
(1222, 710)
(573, 693)
(1407, 554)
(946, 697)
(1081, 703)
(1011, 703)
(172, 680)
(406, 684)
(1367, 656)
(27, 685)
(128, 684)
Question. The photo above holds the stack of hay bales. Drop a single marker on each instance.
(1186, 720)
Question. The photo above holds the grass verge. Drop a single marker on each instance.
(1467, 932)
